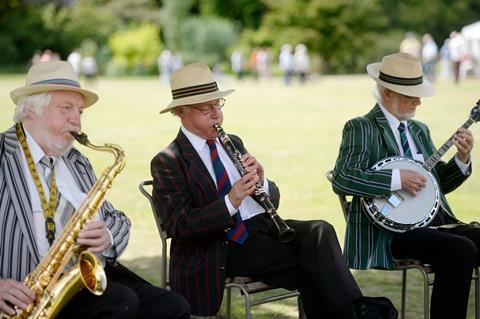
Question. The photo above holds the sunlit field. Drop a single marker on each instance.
(293, 131)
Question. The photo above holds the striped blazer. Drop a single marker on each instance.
(18, 247)
(365, 141)
(196, 219)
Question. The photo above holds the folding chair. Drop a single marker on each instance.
(406, 264)
(247, 286)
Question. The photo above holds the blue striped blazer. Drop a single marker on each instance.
(365, 141)
(196, 219)
(18, 247)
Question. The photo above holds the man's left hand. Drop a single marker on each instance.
(95, 236)
(251, 164)
(464, 141)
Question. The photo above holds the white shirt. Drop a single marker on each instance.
(66, 186)
(248, 207)
(396, 183)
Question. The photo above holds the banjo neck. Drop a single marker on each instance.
(433, 160)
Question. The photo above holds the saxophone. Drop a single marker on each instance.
(52, 287)
(285, 233)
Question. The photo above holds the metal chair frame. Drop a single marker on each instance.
(247, 286)
(406, 264)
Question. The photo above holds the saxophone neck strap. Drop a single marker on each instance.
(47, 207)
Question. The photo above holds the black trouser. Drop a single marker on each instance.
(312, 263)
(126, 296)
(453, 253)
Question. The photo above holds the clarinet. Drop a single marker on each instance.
(285, 233)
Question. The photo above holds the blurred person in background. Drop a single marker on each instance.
(429, 56)
(301, 62)
(285, 62)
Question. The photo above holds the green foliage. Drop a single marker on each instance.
(174, 12)
(341, 31)
(207, 39)
(248, 13)
(136, 48)
(21, 33)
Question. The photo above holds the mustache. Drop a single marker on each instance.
(74, 129)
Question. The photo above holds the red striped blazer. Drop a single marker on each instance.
(196, 219)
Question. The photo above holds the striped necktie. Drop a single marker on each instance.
(403, 139)
(64, 208)
(238, 233)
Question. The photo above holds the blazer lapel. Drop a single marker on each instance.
(197, 169)
(385, 130)
(16, 180)
(420, 139)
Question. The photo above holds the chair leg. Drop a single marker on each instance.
(477, 294)
(404, 293)
(229, 300)
(247, 305)
(426, 295)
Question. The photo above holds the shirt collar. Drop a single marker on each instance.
(392, 120)
(198, 143)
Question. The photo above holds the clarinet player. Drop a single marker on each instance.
(217, 228)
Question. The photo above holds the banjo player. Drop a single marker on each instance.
(450, 246)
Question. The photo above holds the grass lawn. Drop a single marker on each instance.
(293, 131)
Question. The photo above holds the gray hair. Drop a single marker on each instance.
(378, 93)
(35, 102)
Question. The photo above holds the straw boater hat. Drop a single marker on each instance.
(52, 76)
(401, 73)
(194, 83)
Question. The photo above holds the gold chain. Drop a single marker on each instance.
(48, 208)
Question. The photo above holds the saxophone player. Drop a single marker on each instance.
(218, 230)
(43, 180)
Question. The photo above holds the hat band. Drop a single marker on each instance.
(59, 82)
(194, 90)
(400, 81)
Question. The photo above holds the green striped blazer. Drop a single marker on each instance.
(365, 141)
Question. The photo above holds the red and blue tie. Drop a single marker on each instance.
(238, 233)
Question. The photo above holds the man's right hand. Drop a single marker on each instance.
(14, 293)
(412, 181)
(243, 187)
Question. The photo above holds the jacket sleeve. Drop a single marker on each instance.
(359, 150)
(116, 221)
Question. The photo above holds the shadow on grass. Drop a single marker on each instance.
(149, 268)
(372, 283)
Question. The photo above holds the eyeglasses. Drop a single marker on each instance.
(206, 109)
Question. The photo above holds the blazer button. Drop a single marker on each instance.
(225, 242)
(222, 268)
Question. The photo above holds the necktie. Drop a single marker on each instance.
(64, 208)
(48, 172)
(403, 139)
(239, 233)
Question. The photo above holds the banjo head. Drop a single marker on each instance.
(403, 211)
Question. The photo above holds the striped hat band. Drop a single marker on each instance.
(58, 82)
(400, 81)
(194, 90)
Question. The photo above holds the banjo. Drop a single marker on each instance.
(402, 211)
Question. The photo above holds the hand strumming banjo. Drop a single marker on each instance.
(402, 211)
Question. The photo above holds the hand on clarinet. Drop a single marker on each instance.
(251, 163)
(242, 188)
